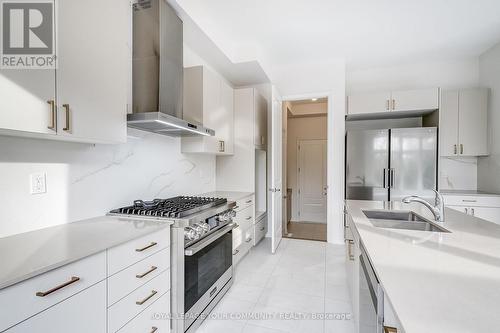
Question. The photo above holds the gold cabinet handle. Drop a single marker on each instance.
(153, 292)
(461, 149)
(388, 105)
(65, 284)
(249, 218)
(53, 123)
(222, 146)
(248, 201)
(349, 249)
(236, 252)
(393, 104)
(249, 240)
(67, 111)
(146, 247)
(388, 329)
(473, 212)
(262, 229)
(154, 329)
(236, 207)
(140, 276)
(455, 149)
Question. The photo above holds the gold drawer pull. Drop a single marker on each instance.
(249, 218)
(154, 329)
(67, 111)
(262, 229)
(140, 276)
(147, 247)
(236, 252)
(153, 292)
(249, 240)
(236, 207)
(388, 329)
(48, 292)
(248, 201)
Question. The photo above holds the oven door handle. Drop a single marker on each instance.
(209, 240)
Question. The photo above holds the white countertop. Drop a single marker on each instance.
(473, 193)
(436, 282)
(229, 195)
(33, 253)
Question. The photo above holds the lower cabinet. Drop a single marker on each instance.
(84, 312)
(260, 229)
(244, 234)
(155, 319)
(391, 322)
(483, 207)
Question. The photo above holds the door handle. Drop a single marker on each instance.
(53, 124)
(455, 149)
(392, 176)
(67, 111)
(461, 149)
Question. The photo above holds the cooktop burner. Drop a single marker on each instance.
(177, 207)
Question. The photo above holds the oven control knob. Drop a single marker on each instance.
(191, 234)
(205, 227)
(232, 213)
(198, 227)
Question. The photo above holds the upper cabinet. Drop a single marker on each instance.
(405, 100)
(208, 100)
(260, 121)
(90, 82)
(463, 122)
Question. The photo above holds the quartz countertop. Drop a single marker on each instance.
(436, 282)
(474, 193)
(33, 253)
(229, 195)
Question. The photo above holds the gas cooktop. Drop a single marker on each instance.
(177, 207)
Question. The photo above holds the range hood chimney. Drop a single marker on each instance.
(158, 72)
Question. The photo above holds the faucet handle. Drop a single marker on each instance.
(439, 198)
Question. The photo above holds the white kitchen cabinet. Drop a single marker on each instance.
(82, 313)
(260, 121)
(483, 207)
(415, 100)
(391, 322)
(491, 214)
(208, 100)
(368, 102)
(395, 101)
(93, 52)
(463, 124)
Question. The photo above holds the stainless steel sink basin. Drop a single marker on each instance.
(401, 220)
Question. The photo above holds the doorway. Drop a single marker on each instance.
(305, 169)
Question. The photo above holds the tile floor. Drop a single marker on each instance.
(302, 279)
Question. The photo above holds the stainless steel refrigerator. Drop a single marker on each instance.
(390, 164)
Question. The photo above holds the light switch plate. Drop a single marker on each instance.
(38, 183)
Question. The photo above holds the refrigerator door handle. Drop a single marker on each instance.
(386, 182)
(392, 177)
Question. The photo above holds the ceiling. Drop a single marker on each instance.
(365, 33)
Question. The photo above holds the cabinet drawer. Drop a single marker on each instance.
(124, 282)
(259, 231)
(240, 252)
(156, 316)
(127, 254)
(244, 203)
(471, 201)
(127, 308)
(245, 218)
(30, 297)
(84, 312)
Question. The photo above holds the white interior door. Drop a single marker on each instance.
(312, 180)
(276, 191)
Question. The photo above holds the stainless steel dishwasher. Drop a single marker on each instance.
(371, 297)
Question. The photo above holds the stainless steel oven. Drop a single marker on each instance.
(371, 297)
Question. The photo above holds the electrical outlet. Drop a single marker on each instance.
(38, 183)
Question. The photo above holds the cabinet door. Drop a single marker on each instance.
(82, 313)
(368, 102)
(94, 61)
(491, 214)
(448, 123)
(473, 122)
(226, 123)
(415, 100)
(260, 120)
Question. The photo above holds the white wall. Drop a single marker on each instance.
(489, 76)
(304, 109)
(454, 173)
(323, 79)
(307, 128)
(85, 181)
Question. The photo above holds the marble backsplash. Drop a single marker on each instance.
(85, 180)
(458, 173)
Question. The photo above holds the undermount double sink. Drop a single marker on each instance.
(401, 220)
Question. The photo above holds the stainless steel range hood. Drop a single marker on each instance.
(158, 72)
